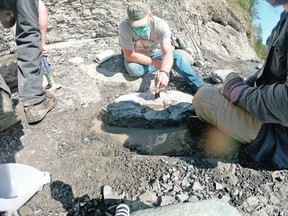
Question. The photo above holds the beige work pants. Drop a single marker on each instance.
(211, 106)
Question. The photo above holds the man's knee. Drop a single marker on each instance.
(202, 95)
(182, 55)
(135, 70)
(177, 56)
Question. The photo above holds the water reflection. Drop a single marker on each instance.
(176, 141)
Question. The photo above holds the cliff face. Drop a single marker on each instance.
(220, 27)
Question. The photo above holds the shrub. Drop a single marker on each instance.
(250, 7)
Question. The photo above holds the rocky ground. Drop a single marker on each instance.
(85, 157)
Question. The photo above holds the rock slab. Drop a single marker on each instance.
(202, 208)
(142, 110)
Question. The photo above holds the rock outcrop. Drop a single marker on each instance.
(221, 27)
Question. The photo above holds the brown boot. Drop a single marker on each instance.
(37, 112)
(7, 115)
(196, 126)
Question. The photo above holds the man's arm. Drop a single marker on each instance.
(162, 79)
(167, 61)
(43, 24)
(132, 56)
(269, 104)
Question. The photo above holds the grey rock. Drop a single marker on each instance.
(193, 199)
(234, 192)
(8, 70)
(176, 174)
(148, 198)
(274, 199)
(199, 63)
(156, 185)
(197, 186)
(166, 187)
(218, 76)
(185, 182)
(26, 210)
(177, 188)
(189, 59)
(142, 110)
(251, 203)
(278, 176)
(166, 177)
(225, 198)
(218, 186)
(166, 200)
(207, 207)
(258, 67)
(111, 196)
(182, 197)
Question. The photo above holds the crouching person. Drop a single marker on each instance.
(139, 38)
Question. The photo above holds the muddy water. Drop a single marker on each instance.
(169, 141)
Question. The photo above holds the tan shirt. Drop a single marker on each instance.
(160, 34)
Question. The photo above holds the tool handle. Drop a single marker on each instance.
(48, 70)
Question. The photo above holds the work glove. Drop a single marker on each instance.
(233, 87)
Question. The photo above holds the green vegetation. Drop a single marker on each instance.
(250, 7)
(258, 45)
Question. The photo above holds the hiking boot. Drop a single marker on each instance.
(37, 112)
(196, 126)
(7, 115)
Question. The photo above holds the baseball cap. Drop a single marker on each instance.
(138, 14)
(7, 18)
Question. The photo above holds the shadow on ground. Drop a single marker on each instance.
(85, 205)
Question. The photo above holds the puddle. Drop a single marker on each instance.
(176, 141)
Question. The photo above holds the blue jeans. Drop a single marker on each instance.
(180, 66)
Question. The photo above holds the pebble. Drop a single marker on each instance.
(185, 182)
(197, 186)
(26, 210)
(177, 188)
(274, 199)
(182, 197)
(166, 200)
(111, 196)
(234, 192)
(218, 186)
(225, 198)
(166, 177)
(148, 198)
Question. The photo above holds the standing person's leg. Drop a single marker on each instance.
(7, 116)
(30, 77)
(211, 106)
(4, 86)
(185, 70)
(29, 51)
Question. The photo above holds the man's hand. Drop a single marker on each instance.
(161, 79)
(44, 50)
(233, 87)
